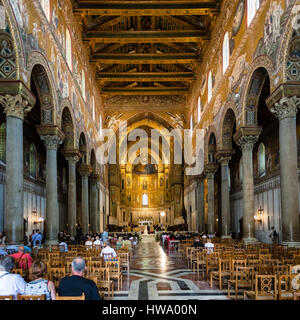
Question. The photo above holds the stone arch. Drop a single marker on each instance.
(227, 126)
(93, 160)
(260, 70)
(45, 84)
(83, 147)
(16, 38)
(208, 141)
(67, 126)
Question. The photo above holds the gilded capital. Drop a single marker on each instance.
(210, 170)
(286, 107)
(51, 142)
(246, 137)
(15, 105)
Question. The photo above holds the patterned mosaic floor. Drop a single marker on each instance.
(157, 275)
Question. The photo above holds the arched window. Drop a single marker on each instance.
(3, 143)
(83, 85)
(145, 201)
(252, 7)
(32, 161)
(69, 49)
(46, 8)
(209, 87)
(199, 110)
(225, 52)
(261, 160)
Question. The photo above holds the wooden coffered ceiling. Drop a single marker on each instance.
(146, 48)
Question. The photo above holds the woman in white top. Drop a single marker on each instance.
(39, 285)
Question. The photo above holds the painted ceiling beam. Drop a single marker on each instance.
(144, 58)
(146, 76)
(147, 8)
(145, 91)
(146, 36)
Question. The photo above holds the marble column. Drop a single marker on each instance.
(246, 141)
(286, 110)
(200, 220)
(210, 174)
(52, 143)
(85, 172)
(225, 196)
(93, 202)
(15, 108)
(72, 200)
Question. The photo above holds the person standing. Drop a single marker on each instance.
(76, 284)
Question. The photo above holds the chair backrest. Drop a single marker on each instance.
(56, 274)
(244, 274)
(56, 262)
(102, 274)
(82, 297)
(17, 271)
(113, 264)
(224, 264)
(285, 288)
(265, 286)
(31, 297)
(238, 263)
(107, 256)
(7, 297)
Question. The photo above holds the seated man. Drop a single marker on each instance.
(10, 283)
(197, 243)
(63, 247)
(107, 250)
(76, 284)
(97, 242)
(23, 259)
(89, 242)
(209, 246)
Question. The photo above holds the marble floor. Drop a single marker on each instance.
(156, 274)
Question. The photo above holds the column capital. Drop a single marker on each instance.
(51, 142)
(246, 137)
(286, 107)
(85, 169)
(210, 169)
(51, 135)
(72, 156)
(224, 156)
(16, 98)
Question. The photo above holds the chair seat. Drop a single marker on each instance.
(287, 295)
(251, 295)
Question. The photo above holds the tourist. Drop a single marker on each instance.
(3, 252)
(76, 284)
(38, 284)
(105, 235)
(36, 236)
(2, 237)
(97, 242)
(89, 242)
(23, 260)
(197, 243)
(209, 246)
(10, 283)
(107, 250)
(63, 247)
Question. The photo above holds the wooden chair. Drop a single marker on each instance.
(107, 256)
(265, 288)
(243, 278)
(200, 263)
(124, 260)
(31, 297)
(82, 297)
(19, 271)
(223, 272)
(285, 289)
(56, 274)
(212, 262)
(7, 297)
(56, 263)
(192, 257)
(115, 270)
(103, 281)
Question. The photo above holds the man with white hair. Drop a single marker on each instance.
(10, 283)
(107, 251)
(76, 284)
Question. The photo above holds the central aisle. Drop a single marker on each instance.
(156, 274)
